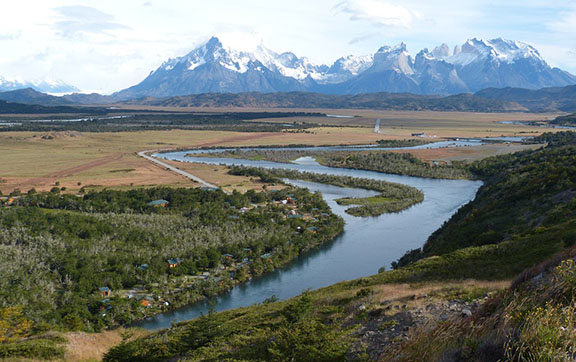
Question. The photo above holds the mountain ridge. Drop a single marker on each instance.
(383, 100)
(477, 64)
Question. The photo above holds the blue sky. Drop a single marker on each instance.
(108, 45)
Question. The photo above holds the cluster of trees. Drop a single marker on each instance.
(555, 139)
(281, 331)
(396, 163)
(393, 197)
(21, 338)
(56, 251)
(568, 120)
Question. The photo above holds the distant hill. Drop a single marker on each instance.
(388, 101)
(18, 108)
(487, 100)
(92, 98)
(31, 96)
(568, 120)
(541, 100)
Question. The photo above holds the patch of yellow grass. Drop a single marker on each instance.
(92, 346)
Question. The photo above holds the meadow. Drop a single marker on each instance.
(79, 159)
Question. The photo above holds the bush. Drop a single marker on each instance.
(299, 309)
(36, 349)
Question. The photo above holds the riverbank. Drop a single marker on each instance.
(510, 232)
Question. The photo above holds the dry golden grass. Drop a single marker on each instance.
(467, 153)
(92, 346)
(412, 294)
(27, 160)
(109, 159)
(218, 175)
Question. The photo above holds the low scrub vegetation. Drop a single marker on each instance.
(397, 163)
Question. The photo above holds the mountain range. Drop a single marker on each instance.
(46, 86)
(477, 64)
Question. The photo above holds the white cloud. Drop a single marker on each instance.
(79, 20)
(378, 13)
(110, 44)
(565, 22)
(10, 36)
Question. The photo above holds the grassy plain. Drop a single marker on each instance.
(39, 160)
(397, 123)
(36, 160)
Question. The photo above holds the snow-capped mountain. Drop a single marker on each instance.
(346, 68)
(46, 86)
(477, 64)
(214, 67)
(503, 63)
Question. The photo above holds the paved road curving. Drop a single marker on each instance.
(143, 154)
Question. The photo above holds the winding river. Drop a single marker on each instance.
(365, 245)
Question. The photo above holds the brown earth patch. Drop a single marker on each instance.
(92, 346)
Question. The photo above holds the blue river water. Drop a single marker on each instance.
(365, 245)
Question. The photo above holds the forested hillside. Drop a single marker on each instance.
(90, 262)
(525, 192)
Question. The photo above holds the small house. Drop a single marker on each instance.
(419, 134)
(104, 291)
(159, 203)
(313, 229)
(146, 302)
(173, 263)
(266, 256)
(143, 267)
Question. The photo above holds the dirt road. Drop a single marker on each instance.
(143, 154)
